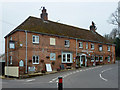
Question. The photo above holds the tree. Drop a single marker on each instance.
(117, 48)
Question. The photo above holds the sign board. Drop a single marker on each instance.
(52, 56)
(52, 41)
(48, 68)
(31, 69)
(21, 63)
(62, 66)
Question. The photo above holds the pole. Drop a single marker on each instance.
(60, 83)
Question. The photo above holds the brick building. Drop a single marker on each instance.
(39, 41)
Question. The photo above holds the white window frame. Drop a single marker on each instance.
(12, 45)
(66, 58)
(68, 42)
(108, 48)
(101, 59)
(108, 58)
(80, 44)
(86, 45)
(97, 57)
(100, 48)
(92, 60)
(10, 59)
(35, 59)
(93, 46)
(36, 41)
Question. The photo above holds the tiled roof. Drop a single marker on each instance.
(50, 27)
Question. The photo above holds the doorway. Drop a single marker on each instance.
(83, 60)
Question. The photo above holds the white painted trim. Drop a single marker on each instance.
(71, 57)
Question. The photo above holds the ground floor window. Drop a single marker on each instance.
(35, 59)
(92, 58)
(101, 58)
(97, 58)
(66, 57)
(108, 58)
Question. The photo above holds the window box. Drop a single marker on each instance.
(48, 57)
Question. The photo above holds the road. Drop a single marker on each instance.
(102, 76)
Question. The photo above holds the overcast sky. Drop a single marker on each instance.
(72, 12)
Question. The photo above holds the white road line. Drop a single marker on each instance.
(102, 73)
(30, 80)
(103, 78)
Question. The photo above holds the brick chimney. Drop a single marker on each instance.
(44, 14)
(93, 27)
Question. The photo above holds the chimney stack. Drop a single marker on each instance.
(44, 14)
(93, 27)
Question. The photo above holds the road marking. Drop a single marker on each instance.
(103, 78)
(68, 74)
(30, 80)
(102, 73)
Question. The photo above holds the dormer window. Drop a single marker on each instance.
(80, 45)
(35, 39)
(67, 43)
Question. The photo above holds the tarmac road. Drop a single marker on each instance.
(102, 76)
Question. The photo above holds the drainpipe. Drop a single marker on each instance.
(7, 58)
(26, 52)
(76, 46)
(76, 50)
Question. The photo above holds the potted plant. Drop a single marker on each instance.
(53, 63)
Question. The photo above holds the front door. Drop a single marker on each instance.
(83, 60)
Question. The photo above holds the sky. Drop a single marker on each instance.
(78, 13)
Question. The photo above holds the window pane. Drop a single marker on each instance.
(37, 38)
(33, 59)
(68, 57)
(33, 38)
(63, 57)
(86, 45)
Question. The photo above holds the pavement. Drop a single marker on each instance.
(102, 76)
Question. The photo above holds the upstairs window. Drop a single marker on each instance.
(35, 59)
(86, 45)
(35, 39)
(108, 48)
(11, 45)
(80, 45)
(92, 46)
(100, 48)
(67, 43)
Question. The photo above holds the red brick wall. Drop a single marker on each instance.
(44, 49)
